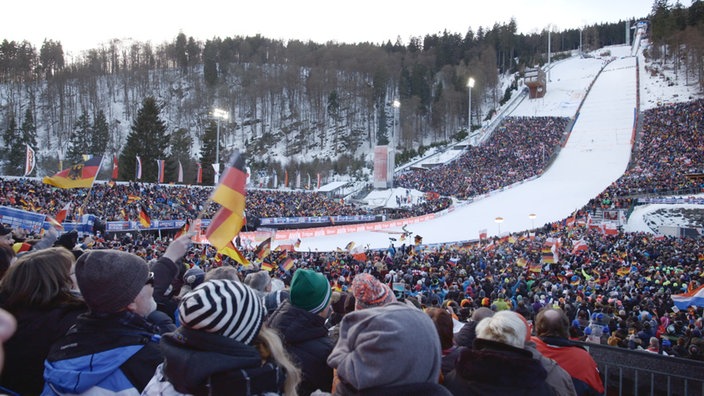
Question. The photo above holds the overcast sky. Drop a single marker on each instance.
(83, 24)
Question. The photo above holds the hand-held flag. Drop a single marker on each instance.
(81, 175)
(230, 194)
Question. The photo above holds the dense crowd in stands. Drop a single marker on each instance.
(519, 149)
(668, 148)
(114, 202)
(517, 301)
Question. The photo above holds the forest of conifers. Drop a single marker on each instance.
(314, 102)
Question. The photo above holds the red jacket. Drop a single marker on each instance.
(575, 360)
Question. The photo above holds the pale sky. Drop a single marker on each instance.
(83, 24)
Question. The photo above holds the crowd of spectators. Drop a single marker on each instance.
(520, 148)
(612, 289)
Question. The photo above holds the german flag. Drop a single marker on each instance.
(133, 198)
(264, 249)
(77, 176)
(184, 229)
(230, 193)
(267, 266)
(287, 264)
(144, 218)
(232, 252)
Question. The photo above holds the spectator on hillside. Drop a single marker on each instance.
(552, 341)
(408, 363)
(498, 364)
(301, 323)
(222, 348)
(113, 348)
(444, 325)
(465, 337)
(37, 291)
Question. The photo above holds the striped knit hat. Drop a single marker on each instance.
(370, 292)
(224, 307)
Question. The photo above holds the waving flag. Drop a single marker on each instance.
(232, 252)
(78, 176)
(691, 298)
(264, 249)
(144, 218)
(287, 264)
(61, 216)
(199, 175)
(230, 193)
(29, 161)
(184, 229)
(180, 172)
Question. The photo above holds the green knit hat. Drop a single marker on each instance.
(310, 290)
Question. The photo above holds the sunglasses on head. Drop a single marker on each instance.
(150, 279)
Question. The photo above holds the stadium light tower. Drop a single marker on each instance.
(220, 115)
(397, 106)
(498, 221)
(532, 217)
(470, 85)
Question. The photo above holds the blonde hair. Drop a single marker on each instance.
(504, 327)
(270, 346)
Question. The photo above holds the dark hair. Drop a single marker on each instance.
(551, 322)
(6, 256)
(40, 279)
(443, 324)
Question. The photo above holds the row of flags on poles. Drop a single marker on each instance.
(30, 162)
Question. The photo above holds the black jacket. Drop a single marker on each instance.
(306, 338)
(493, 368)
(25, 351)
(198, 363)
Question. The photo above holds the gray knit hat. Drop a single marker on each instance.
(110, 279)
(224, 307)
(372, 338)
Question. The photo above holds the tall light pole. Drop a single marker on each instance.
(220, 115)
(395, 139)
(498, 221)
(470, 85)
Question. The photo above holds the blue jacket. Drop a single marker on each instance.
(115, 354)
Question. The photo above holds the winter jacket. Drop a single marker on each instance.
(419, 389)
(306, 339)
(575, 360)
(200, 363)
(25, 351)
(108, 353)
(493, 368)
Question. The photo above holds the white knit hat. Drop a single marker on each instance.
(224, 307)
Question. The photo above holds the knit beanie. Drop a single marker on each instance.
(372, 338)
(222, 306)
(310, 290)
(274, 299)
(67, 240)
(370, 292)
(194, 277)
(110, 280)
